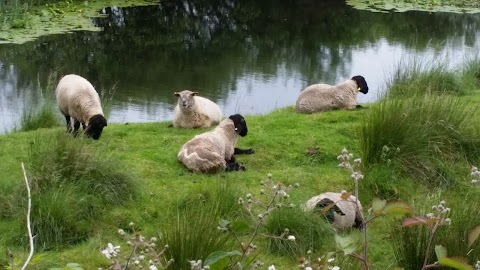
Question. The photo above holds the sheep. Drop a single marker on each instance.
(193, 111)
(77, 99)
(324, 97)
(213, 151)
(343, 214)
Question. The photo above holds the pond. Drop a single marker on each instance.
(248, 56)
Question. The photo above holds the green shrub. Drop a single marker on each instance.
(311, 230)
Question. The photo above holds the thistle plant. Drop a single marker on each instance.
(271, 196)
(143, 253)
(475, 175)
(320, 263)
(379, 208)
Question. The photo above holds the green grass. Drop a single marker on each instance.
(183, 209)
(431, 76)
(72, 185)
(311, 230)
(422, 136)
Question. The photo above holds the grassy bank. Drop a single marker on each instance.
(418, 148)
(283, 140)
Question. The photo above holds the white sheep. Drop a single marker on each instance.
(193, 111)
(324, 97)
(77, 99)
(343, 214)
(213, 151)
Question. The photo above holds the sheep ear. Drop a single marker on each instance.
(176, 94)
(359, 89)
(194, 93)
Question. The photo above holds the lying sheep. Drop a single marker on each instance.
(343, 214)
(77, 99)
(193, 111)
(324, 97)
(213, 151)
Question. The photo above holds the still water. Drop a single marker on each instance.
(248, 56)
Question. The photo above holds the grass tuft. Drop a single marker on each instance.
(423, 136)
(72, 184)
(311, 230)
(420, 77)
(192, 232)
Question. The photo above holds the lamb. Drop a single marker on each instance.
(343, 214)
(213, 151)
(193, 111)
(324, 97)
(77, 99)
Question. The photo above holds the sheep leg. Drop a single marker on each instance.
(76, 126)
(233, 165)
(237, 151)
(69, 123)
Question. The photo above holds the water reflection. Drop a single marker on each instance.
(249, 56)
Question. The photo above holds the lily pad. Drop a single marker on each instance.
(460, 6)
(61, 18)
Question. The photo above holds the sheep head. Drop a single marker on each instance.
(240, 124)
(361, 83)
(95, 126)
(185, 98)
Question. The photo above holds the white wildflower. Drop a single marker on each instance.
(131, 224)
(271, 267)
(153, 239)
(152, 267)
(331, 260)
(121, 232)
(111, 251)
(474, 181)
(336, 268)
(308, 268)
(291, 238)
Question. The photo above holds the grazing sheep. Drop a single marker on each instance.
(193, 111)
(77, 99)
(213, 151)
(324, 97)
(343, 214)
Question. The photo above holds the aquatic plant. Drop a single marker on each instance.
(458, 6)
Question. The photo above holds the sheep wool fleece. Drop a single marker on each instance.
(208, 152)
(77, 98)
(324, 97)
(348, 207)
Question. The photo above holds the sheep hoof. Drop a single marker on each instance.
(250, 151)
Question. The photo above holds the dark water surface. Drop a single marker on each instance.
(248, 56)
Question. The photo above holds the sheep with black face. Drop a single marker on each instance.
(193, 111)
(213, 151)
(343, 214)
(78, 100)
(324, 97)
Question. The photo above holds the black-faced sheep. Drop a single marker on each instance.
(193, 111)
(213, 151)
(343, 214)
(77, 99)
(324, 97)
